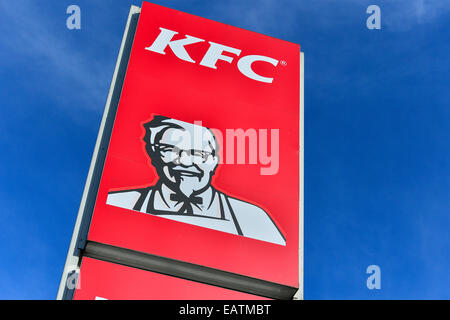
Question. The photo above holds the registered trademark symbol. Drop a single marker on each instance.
(283, 63)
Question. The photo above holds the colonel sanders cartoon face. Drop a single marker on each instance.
(184, 154)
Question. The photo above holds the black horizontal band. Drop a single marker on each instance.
(187, 271)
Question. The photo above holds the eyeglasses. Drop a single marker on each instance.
(173, 153)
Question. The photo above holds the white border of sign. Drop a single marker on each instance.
(299, 294)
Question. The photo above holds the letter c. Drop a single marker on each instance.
(245, 67)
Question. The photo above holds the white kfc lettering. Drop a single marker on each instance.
(212, 55)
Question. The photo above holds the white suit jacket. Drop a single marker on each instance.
(218, 211)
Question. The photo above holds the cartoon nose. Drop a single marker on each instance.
(185, 159)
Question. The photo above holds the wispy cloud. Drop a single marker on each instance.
(270, 15)
(407, 14)
(73, 75)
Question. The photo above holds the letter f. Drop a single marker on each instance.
(177, 46)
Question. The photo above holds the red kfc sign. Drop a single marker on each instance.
(203, 162)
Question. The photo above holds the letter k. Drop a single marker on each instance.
(177, 46)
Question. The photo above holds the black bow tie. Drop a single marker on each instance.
(187, 202)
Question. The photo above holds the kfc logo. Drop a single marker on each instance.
(215, 52)
(185, 157)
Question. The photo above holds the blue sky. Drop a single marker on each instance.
(377, 114)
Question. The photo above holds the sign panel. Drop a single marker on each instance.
(100, 280)
(203, 160)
